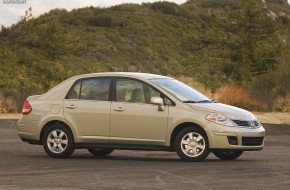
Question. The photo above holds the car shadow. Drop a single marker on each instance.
(137, 157)
(153, 158)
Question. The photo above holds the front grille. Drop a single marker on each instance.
(247, 124)
(252, 141)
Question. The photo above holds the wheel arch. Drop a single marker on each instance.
(181, 126)
(50, 123)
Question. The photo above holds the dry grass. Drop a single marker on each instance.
(282, 103)
(10, 116)
(237, 96)
(273, 117)
(7, 104)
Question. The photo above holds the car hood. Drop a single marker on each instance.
(227, 110)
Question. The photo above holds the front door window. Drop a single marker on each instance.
(134, 91)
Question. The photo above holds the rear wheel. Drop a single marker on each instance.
(100, 151)
(228, 154)
(191, 144)
(58, 141)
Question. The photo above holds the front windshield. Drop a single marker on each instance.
(181, 91)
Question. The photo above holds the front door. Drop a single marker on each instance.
(134, 120)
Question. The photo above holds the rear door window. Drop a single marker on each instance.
(91, 89)
(95, 89)
(74, 93)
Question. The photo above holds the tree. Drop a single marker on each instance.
(246, 46)
(28, 14)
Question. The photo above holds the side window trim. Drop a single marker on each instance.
(80, 88)
(113, 90)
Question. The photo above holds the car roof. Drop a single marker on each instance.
(124, 74)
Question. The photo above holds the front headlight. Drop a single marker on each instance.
(220, 119)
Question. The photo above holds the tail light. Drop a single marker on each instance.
(26, 109)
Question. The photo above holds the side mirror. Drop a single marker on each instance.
(158, 101)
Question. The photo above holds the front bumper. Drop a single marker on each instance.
(235, 138)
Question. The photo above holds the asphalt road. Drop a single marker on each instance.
(24, 166)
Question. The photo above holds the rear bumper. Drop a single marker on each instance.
(28, 137)
(26, 132)
(31, 141)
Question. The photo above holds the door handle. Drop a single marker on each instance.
(119, 109)
(71, 107)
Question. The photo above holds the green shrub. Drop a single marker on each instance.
(126, 7)
(165, 7)
(103, 20)
(273, 85)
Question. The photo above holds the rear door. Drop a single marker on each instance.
(87, 109)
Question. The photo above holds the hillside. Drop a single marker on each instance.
(214, 42)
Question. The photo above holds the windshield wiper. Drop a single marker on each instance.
(204, 101)
(201, 101)
(189, 101)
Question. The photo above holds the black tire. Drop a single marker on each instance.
(58, 141)
(198, 147)
(228, 154)
(100, 151)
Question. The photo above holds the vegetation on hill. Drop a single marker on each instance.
(217, 43)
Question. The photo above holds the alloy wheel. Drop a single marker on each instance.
(57, 141)
(192, 144)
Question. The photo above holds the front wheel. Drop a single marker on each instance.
(191, 144)
(58, 141)
(100, 151)
(228, 154)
